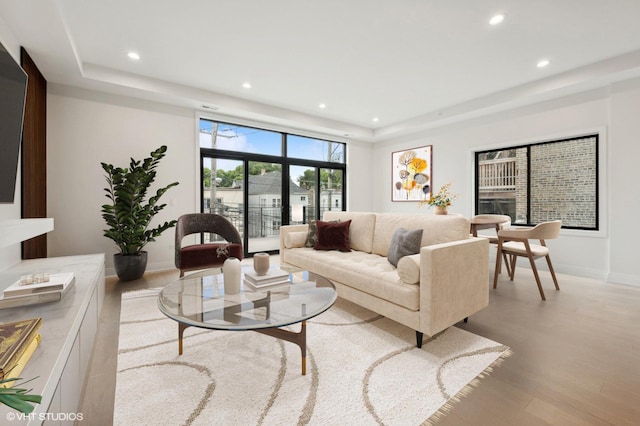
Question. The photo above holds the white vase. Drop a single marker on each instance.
(232, 275)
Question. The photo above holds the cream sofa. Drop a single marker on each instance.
(443, 284)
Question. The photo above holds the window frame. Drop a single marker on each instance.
(283, 160)
(600, 229)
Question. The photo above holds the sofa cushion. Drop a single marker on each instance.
(404, 243)
(295, 239)
(361, 230)
(366, 272)
(409, 269)
(208, 255)
(333, 236)
(312, 234)
(437, 229)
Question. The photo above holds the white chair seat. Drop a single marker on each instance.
(519, 248)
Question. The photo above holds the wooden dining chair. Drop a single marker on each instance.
(491, 221)
(515, 243)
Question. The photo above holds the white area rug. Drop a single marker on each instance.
(361, 369)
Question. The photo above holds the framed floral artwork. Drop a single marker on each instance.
(411, 174)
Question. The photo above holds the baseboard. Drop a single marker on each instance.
(595, 274)
(155, 266)
(627, 279)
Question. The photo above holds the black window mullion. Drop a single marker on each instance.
(317, 193)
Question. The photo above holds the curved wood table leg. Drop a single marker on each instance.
(299, 339)
(181, 329)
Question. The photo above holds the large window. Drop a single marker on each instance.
(260, 179)
(540, 182)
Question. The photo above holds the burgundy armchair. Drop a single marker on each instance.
(206, 255)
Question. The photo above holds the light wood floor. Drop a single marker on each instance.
(575, 361)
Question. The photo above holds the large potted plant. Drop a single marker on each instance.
(129, 213)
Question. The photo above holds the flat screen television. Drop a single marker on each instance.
(13, 92)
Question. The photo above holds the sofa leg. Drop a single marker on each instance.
(418, 339)
(466, 319)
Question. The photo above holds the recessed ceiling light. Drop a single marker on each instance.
(246, 85)
(375, 119)
(322, 106)
(496, 19)
(543, 63)
(134, 56)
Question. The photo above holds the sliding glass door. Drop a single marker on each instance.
(264, 190)
(247, 178)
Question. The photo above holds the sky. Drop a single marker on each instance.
(245, 139)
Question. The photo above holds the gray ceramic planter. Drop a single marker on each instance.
(131, 266)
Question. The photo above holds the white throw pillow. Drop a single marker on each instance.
(409, 269)
(295, 239)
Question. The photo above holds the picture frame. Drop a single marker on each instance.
(411, 174)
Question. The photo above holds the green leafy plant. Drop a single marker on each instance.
(17, 397)
(129, 214)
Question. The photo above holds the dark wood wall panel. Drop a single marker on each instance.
(34, 155)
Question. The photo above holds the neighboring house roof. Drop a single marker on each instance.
(270, 183)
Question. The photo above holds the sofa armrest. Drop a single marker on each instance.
(454, 282)
(284, 230)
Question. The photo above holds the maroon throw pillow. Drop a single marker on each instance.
(333, 236)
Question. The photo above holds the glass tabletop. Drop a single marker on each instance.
(199, 300)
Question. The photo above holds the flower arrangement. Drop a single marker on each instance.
(443, 198)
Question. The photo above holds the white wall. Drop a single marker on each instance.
(624, 175)
(360, 176)
(85, 128)
(608, 254)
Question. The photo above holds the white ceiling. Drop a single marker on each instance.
(411, 63)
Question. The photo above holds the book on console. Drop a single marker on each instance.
(15, 370)
(35, 298)
(56, 282)
(15, 338)
(272, 276)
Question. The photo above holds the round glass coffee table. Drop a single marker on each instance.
(199, 300)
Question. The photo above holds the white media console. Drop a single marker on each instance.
(68, 333)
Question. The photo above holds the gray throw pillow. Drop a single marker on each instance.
(312, 235)
(404, 243)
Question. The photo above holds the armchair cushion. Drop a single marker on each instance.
(208, 255)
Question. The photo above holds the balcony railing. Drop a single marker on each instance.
(497, 175)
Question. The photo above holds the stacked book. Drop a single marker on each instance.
(273, 277)
(28, 292)
(18, 341)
